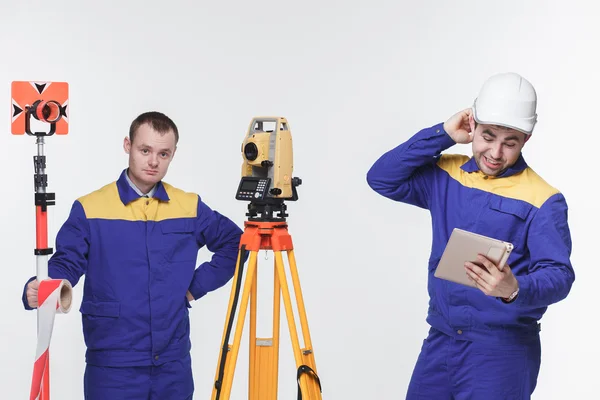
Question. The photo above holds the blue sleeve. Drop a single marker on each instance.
(403, 173)
(69, 260)
(221, 236)
(551, 274)
(24, 296)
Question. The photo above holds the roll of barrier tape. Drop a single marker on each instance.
(54, 297)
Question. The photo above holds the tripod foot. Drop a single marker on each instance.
(305, 369)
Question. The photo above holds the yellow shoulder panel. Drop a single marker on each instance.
(526, 186)
(181, 204)
(105, 203)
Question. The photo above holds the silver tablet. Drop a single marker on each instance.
(464, 246)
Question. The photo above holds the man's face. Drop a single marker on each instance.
(149, 156)
(496, 148)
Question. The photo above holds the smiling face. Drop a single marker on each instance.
(496, 148)
(150, 154)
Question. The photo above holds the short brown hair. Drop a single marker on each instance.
(158, 121)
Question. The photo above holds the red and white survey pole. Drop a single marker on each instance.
(46, 103)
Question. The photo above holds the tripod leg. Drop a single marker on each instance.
(276, 328)
(252, 384)
(264, 367)
(308, 358)
(224, 352)
(225, 371)
(309, 384)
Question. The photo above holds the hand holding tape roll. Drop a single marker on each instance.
(54, 297)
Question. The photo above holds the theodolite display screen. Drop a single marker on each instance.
(251, 188)
(249, 185)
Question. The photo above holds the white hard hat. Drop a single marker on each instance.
(509, 100)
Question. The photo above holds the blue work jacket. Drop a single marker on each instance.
(518, 206)
(139, 259)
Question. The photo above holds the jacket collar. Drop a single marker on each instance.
(128, 194)
(520, 165)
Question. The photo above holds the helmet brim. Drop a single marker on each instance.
(525, 126)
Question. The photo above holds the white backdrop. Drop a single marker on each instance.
(354, 80)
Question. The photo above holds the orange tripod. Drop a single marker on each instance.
(264, 352)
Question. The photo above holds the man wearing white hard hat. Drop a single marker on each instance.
(484, 341)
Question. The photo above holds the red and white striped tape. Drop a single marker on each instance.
(54, 297)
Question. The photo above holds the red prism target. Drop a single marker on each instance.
(44, 101)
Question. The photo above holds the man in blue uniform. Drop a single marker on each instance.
(137, 240)
(484, 343)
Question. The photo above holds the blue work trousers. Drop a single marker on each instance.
(169, 381)
(451, 369)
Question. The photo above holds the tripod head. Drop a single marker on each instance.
(271, 210)
(267, 180)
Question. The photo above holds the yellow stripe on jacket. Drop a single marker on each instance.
(526, 186)
(105, 203)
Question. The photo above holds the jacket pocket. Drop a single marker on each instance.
(516, 208)
(102, 327)
(506, 219)
(101, 308)
(178, 241)
(177, 226)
